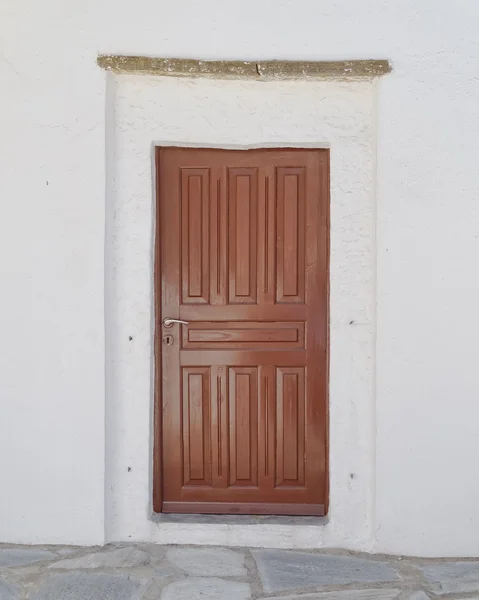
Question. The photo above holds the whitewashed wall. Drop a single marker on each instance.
(52, 193)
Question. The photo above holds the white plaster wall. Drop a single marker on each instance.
(52, 129)
(51, 282)
(145, 111)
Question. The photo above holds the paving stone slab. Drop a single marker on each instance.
(419, 595)
(67, 551)
(15, 557)
(206, 588)
(89, 586)
(164, 571)
(283, 570)
(208, 562)
(113, 559)
(449, 577)
(156, 551)
(6, 591)
(344, 595)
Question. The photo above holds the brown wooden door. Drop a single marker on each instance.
(242, 256)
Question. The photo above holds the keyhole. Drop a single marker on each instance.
(168, 340)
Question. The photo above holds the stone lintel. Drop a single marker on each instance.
(268, 70)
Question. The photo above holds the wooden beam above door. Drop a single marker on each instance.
(267, 70)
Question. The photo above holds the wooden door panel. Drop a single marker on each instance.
(195, 262)
(244, 335)
(241, 407)
(290, 235)
(196, 433)
(290, 426)
(243, 426)
(242, 210)
(285, 358)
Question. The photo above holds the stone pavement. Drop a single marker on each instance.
(153, 572)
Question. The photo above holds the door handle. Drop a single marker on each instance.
(167, 322)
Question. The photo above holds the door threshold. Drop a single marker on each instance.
(319, 521)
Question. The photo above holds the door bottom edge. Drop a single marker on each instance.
(259, 509)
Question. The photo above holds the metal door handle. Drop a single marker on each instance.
(167, 322)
